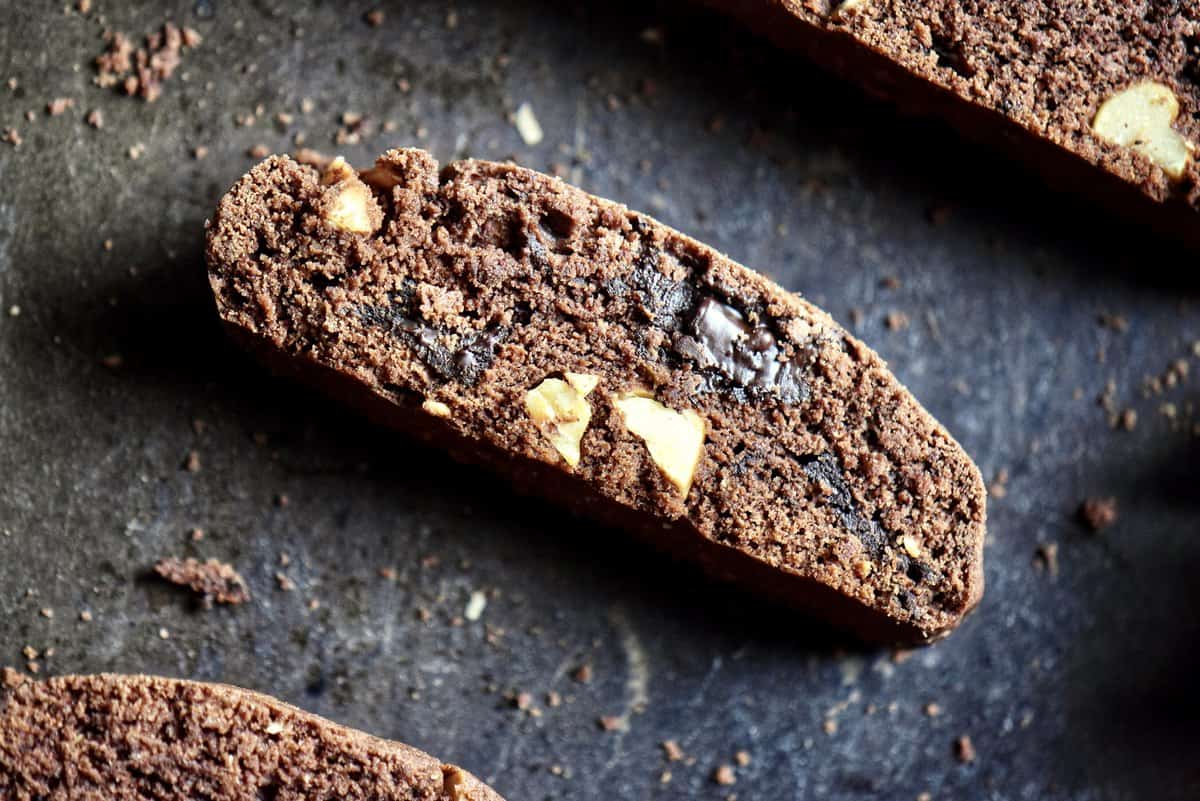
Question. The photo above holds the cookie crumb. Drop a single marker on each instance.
(259, 151)
(1047, 557)
(60, 105)
(964, 749)
(199, 152)
(46, 612)
(933, 710)
(527, 125)
(192, 462)
(897, 321)
(583, 674)
(611, 722)
(12, 137)
(724, 775)
(95, 118)
(1098, 513)
(742, 758)
(11, 679)
(285, 583)
(672, 750)
(1129, 419)
(213, 581)
(374, 18)
(85, 616)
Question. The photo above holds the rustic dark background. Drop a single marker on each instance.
(1080, 685)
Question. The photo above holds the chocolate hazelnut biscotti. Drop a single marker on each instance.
(1102, 96)
(602, 360)
(131, 738)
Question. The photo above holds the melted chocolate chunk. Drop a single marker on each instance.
(746, 356)
(466, 363)
(665, 302)
(825, 470)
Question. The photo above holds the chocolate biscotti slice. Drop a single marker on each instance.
(130, 738)
(1101, 96)
(607, 362)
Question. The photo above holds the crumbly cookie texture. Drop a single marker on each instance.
(129, 738)
(607, 362)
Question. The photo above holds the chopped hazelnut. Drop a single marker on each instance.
(561, 411)
(348, 204)
(1139, 118)
(675, 439)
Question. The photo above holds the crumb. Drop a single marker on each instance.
(259, 151)
(583, 674)
(527, 125)
(553, 699)
(374, 18)
(213, 581)
(475, 606)
(85, 616)
(897, 321)
(999, 486)
(142, 71)
(163, 634)
(108, 244)
(29, 652)
(830, 726)
(192, 462)
(46, 612)
(199, 152)
(282, 500)
(933, 710)
(889, 282)
(285, 583)
(940, 215)
(1129, 419)
(113, 361)
(1098, 513)
(523, 701)
(12, 137)
(196, 534)
(1047, 557)
(724, 775)
(424, 615)
(451, 20)
(314, 604)
(33, 667)
(59, 105)
(135, 151)
(672, 750)
(284, 559)
(284, 119)
(1115, 322)
(901, 655)
(95, 118)
(924, 797)
(83, 6)
(388, 573)
(964, 749)
(742, 758)
(11, 679)
(664, 777)
(611, 723)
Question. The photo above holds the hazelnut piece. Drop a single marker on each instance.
(1140, 118)
(348, 204)
(675, 439)
(561, 411)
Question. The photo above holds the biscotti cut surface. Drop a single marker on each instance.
(1111, 84)
(603, 360)
(131, 738)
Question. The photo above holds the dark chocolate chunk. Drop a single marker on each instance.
(825, 470)
(466, 363)
(665, 303)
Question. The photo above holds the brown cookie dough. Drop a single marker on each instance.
(130, 738)
(603, 360)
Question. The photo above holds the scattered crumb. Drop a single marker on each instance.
(30, 653)
(901, 655)
(46, 612)
(999, 486)
(83, 6)
(199, 152)
(95, 118)
(214, 581)
(583, 674)
(527, 125)
(523, 701)
(742, 758)
(388, 573)
(142, 72)
(451, 20)
(933, 710)
(60, 105)
(282, 500)
(285, 583)
(924, 797)
(259, 151)
(163, 634)
(192, 462)
(374, 18)
(113, 361)
(1098, 513)
(12, 137)
(1047, 557)
(672, 750)
(85, 616)
(196, 534)
(964, 749)
(724, 775)
(475, 606)
(665, 777)
(611, 722)
(897, 321)
(108, 244)
(553, 699)
(830, 726)
(1129, 419)
(136, 150)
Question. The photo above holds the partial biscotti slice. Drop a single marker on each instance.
(1101, 96)
(600, 359)
(130, 738)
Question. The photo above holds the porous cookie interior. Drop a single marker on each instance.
(129, 738)
(475, 286)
